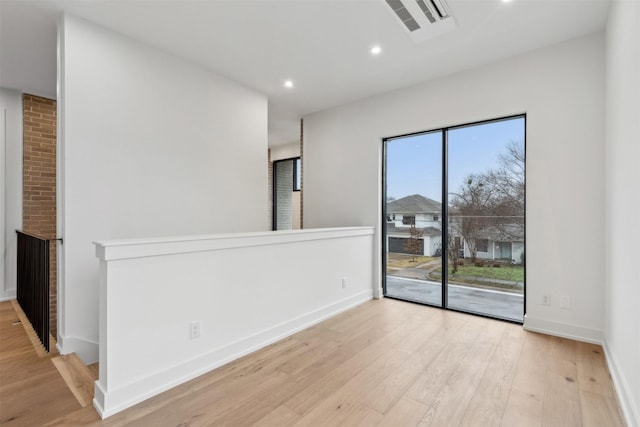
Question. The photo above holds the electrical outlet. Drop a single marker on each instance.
(546, 299)
(344, 283)
(565, 302)
(195, 328)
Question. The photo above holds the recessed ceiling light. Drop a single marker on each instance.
(506, 1)
(288, 84)
(375, 50)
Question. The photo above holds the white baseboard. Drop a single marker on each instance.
(630, 411)
(108, 402)
(86, 350)
(377, 293)
(563, 330)
(8, 295)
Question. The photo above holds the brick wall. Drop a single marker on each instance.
(39, 181)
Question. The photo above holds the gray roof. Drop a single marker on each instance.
(503, 233)
(497, 233)
(414, 204)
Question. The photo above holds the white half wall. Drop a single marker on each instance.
(622, 228)
(11, 134)
(561, 89)
(149, 145)
(152, 290)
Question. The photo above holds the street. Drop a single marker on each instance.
(499, 304)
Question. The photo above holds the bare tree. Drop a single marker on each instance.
(471, 210)
(493, 200)
(413, 245)
(453, 250)
(507, 182)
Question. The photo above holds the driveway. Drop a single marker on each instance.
(499, 304)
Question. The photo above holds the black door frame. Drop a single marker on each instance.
(445, 213)
(274, 189)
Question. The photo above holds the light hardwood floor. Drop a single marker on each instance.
(31, 389)
(390, 363)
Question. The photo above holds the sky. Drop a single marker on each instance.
(414, 163)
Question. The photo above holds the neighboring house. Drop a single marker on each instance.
(430, 242)
(504, 242)
(415, 210)
(421, 211)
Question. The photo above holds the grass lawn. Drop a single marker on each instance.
(513, 273)
(405, 261)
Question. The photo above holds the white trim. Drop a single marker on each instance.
(86, 350)
(60, 180)
(12, 213)
(3, 178)
(563, 330)
(8, 296)
(133, 393)
(137, 248)
(630, 412)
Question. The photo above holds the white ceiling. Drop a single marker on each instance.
(323, 46)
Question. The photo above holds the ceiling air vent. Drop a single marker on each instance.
(401, 12)
(423, 19)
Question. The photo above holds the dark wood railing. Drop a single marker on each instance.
(33, 282)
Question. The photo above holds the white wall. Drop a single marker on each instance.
(3, 120)
(11, 173)
(561, 88)
(150, 146)
(287, 151)
(622, 225)
(295, 210)
(295, 280)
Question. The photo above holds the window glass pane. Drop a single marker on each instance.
(297, 177)
(414, 209)
(486, 218)
(474, 261)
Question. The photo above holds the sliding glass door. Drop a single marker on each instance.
(454, 218)
(414, 217)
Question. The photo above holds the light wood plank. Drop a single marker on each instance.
(281, 416)
(450, 404)
(31, 389)
(77, 376)
(490, 397)
(405, 412)
(592, 371)
(432, 339)
(524, 404)
(349, 394)
(332, 372)
(257, 407)
(427, 386)
(561, 404)
(384, 363)
(323, 343)
(94, 368)
(334, 412)
(599, 410)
